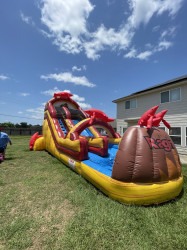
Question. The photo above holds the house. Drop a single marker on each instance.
(170, 95)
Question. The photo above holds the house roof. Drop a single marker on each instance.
(170, 82)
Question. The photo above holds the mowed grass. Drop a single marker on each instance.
(45, 205)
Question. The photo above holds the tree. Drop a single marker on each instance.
(24, 125)
(7, 124)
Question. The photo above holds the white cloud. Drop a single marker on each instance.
(37, 110)
(37, 113)
(151, 50)
(80, 100)
(67, 16)
(148, 46)
(131, 54)
(170, 32)
(143, 10)
(164, 45)
(68, 25)
(3, 77)
(51, 92)
(67, 77)
(24, 94)
(171, 6)
(75, 68)
(26, 19)
(84, 105)
(46, 34)
(67, 43)
(108, 38)
(144, 55)
(70, 31)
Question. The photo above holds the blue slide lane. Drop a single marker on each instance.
(62, 126)
(103, 164)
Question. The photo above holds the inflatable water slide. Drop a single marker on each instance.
(142, 167)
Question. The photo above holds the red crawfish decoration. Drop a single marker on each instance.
(149, 119)
(96, 113)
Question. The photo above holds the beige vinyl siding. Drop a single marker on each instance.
(179, 120)
(144, 102)
(148, 100)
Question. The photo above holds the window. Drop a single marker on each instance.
(124, 129)
(127, 105)
(163, 128)
(165, 97)
(175, 95)
(175, 134)
(131, 104)
(172, 95)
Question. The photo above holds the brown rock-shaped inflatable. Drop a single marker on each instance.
(146, 156)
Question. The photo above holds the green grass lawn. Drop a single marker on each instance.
(45, 205)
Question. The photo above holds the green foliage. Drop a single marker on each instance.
(24, 124)
(45, 205)
(18, 125)
(7, 125)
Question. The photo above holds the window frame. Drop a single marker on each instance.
(130, 103)
(180, 136)
(162, 127)
(124, 129)
(169, 90)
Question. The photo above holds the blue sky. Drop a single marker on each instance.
(99, 50)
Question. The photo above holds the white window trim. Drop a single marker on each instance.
(173, 126)
(169, 90)
(162, 127)
(179, 93)
(130, 103)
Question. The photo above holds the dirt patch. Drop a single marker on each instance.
(55, 220)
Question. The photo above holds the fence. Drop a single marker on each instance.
(22, 131)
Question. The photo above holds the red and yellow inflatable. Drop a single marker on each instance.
(141, 168)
